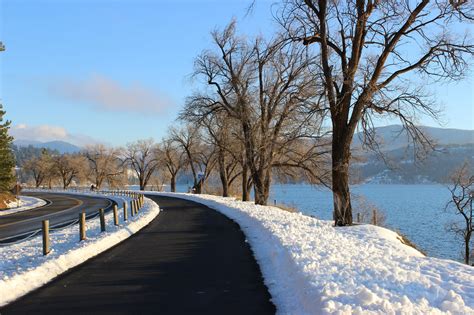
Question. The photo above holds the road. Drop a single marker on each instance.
(61, 208)
(190, 259)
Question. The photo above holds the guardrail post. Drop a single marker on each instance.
(82, 226)
(125, 213)
(46, 244)
(132, 210)
(116, 218)
(102, 220)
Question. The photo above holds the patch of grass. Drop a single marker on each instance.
(289, 208)
(407, 242)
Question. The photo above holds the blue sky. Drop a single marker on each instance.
(117, 71)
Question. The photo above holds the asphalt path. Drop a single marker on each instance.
(59, 209)
(189, 260)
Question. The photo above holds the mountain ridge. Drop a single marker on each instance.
(55, 145)
(393, 137)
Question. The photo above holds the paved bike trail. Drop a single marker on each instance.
(189, 260)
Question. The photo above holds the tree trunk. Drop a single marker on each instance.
(223, 174)
(340, 184)
(198, 187)
(225, 188)
(98, 183)
(467, 251)
(248, 188)
(173, 183)
(261, 189)
(245, 179)
(259, 195)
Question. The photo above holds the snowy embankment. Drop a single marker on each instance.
(311, 267)
(23, 268)
(25, 203)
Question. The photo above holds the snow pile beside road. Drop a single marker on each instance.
(23, 267)
(26, 203)
(311, 267)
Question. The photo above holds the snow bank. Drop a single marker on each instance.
(26, 203)
(23, 268)
(311, 267)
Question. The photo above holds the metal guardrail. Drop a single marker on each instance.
(135, 205)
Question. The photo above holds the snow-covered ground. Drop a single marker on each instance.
(311, 267)
(23, 268)
(26, 203)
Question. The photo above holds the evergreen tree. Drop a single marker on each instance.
(7, 160)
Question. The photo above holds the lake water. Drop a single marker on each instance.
(417, 211)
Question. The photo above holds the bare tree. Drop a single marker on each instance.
(41, 168)
(68, 167)
(34, 167)
(246, 178)
(104, 164)
(140, 155)
(369, 52)
(227, 158)
(200, 156)
(221, 134)
(264, 86)
(173, 158)
(462, 195)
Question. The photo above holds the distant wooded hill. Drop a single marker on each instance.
(394, 137)
(60, 146)
(453, 147)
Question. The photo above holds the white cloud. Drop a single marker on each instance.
(44, 133)
(107, 94)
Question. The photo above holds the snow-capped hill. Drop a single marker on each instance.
(312, 267)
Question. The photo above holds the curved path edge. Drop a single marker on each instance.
(190, 259)
(26, 281)
(34, 202)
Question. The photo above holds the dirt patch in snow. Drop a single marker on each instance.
(5, 199)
